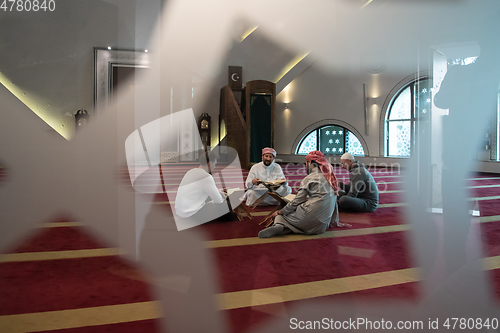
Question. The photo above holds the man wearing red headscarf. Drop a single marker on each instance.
(265, 171)
(311, 216)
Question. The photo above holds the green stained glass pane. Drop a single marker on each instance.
(331, 140)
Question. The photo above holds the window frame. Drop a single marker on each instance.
(412, 118)
(344, 134)
(411, 82)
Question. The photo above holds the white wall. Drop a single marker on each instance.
(48, 56)
(320, 94)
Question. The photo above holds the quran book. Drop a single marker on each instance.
(231, 191)
(274, 182)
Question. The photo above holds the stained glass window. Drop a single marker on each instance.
(399, 143)
(422, 97)
(411, 103)
(308, 144)
(401, 108)
(353, 145)
(331, 140)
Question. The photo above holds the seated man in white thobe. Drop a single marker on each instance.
(266, 171)
(198, 199)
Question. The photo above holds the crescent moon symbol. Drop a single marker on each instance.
(232, 77)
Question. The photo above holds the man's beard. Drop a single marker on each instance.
(268, 163)
(308, 169)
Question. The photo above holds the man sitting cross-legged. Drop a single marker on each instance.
(265, 171)
(314, 207)
(361, 194)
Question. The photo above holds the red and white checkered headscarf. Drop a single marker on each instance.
(269, 151)
(325, 167)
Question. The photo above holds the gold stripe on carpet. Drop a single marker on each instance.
(483, 186)
(51, 255)
(485, 198)
(356, 252)
(490, 263)
(300, 291)
(488, 178)
(295, 238)
(494, 218)
(295, 292)
(397, 204)
(260, 213)
(113, 314)
(74, 318)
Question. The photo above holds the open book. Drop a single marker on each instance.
(230, 191)
(289, 197)
(274, 182)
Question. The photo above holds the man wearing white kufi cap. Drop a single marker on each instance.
(265, 171)
(361, 194)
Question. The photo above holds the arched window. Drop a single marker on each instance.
(330, 140)
(408, 103)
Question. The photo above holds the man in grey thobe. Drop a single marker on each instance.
(361, 194)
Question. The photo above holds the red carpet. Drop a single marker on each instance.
(58, 239)
(51, 285)
(143, 326)
(247, 319)
(62, 284)
(307, 261)
(3, 175)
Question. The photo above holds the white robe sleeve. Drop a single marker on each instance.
(299, 199)
(251, 176)
(211, 190)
